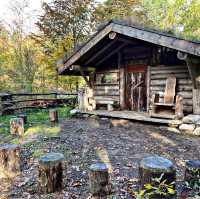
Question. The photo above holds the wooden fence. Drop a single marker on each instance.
(10, 102)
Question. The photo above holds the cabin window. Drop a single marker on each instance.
(107, 78)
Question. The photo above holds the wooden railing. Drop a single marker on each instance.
(11, 102)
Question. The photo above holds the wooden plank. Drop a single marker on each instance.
(155, 72)
(196, 101)
(165, 67)
(170, 90)
(164, 76)
(159, 39)
(100, 52)
(112, 53)
(111, 98)
(85, 48)
(148, 79)
(122, 83)
(103, 87)
(179, 81)
(104, 93)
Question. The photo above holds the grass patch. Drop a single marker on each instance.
(38, 124)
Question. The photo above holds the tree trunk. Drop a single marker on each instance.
(24, 117)
(53, 116)
(153, 167)
(9, 161)
(50, 170)
(17, 126)
(99, 180)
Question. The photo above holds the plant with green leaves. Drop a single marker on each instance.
(159, 188)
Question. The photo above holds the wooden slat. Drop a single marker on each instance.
(106, 93)
(164, 76)
(168, 68)
(179, 81)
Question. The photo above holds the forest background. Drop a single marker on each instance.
(28, 58)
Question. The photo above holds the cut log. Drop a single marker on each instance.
(53, 116)
(17, 126)
(50, 171)
(24, 117)
(153, 167)
(9, 161)
(99, 180)
(192, 171)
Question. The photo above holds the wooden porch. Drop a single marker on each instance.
(129, 115)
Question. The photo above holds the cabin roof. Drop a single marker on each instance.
(99, 43)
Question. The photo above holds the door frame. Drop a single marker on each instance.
(138, 68)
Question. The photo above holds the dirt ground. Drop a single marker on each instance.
(84, 141)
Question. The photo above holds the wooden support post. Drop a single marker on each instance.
(122, 75)
(153, 167)
(99, 180)
(9, 160)
(196, 101)
(17, 126)
(24, 117)
(50, 178)
(192, 171)
(53, 116)
(179, 107)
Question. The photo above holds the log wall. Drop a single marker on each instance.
(158, 76)
(107, 90)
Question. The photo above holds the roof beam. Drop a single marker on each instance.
(159, 39)
(100, 52)
(112, 53)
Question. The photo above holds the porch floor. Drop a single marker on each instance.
(129, 115)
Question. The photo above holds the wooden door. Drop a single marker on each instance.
(136, 97)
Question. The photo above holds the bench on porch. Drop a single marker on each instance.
(110, 103)
(172, 105)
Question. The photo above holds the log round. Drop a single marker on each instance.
(9, 160)
(17, 126)
(24, 117)
(53, 116)
(99, 180)
(192, 171)
(153, 167)
(50, 178)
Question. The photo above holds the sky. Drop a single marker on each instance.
(35, 9)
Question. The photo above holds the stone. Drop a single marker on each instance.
(175, 123)
(187, 128)
(74, 111)
(173, 129)
(119, 123)
(191, 119)
(197, 131)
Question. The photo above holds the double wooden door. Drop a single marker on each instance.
(136, 97)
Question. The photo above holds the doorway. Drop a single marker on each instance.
(136, 89)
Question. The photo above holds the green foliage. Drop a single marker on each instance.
(158, 188)
(194, 182)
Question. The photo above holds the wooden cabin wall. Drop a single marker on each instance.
(158, 76)
(107, 90)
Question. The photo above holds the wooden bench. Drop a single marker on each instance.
(172, 106)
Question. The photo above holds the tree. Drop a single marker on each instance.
(180, 17)
(66, 18)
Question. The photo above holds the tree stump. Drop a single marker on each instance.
(53, 116)
(192, 171)
(153, 167)
(99, 180)
(17, 126)
(24, 117)
(9, 160)
(50, 170)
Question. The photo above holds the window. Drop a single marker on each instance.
(107, 78)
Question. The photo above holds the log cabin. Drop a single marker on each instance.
(124, 66)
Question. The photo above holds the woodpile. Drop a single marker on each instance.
(50, 178)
